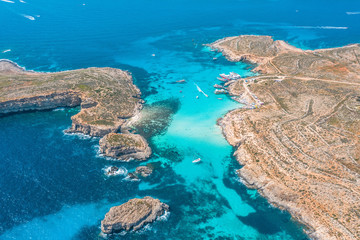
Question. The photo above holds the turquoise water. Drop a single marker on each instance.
(52, 185)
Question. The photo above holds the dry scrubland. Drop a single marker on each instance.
(301, 148)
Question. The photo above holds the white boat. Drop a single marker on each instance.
(220, 91)
(231, 76)
(196, 160)
(181, 81)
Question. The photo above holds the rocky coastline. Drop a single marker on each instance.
(298, 143)
(107, 97)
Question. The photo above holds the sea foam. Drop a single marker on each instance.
(164, 217)
(121, 171)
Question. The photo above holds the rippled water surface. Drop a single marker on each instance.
(52, 185)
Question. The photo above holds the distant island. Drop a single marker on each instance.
(107, 97)
(297, 135)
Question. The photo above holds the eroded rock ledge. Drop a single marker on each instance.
(298, 141)
(125, 146)
(132, 215)
(107, 96)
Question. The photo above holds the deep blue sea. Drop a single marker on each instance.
(52, 185)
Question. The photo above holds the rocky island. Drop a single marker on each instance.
(133, 214)
(107, 96)
(297, 136)
(125, 146)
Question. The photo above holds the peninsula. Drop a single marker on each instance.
(107, 96)
(297, 137)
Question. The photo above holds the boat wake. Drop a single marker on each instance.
(352, 13)
(28, 16)
(199, 89)
(322, 27)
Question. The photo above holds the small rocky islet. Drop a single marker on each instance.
(133, 215)
(125, 146)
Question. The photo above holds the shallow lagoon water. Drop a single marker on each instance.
(52, 185)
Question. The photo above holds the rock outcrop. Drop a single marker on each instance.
(144, 171)
(125, 147)
(299, 144)
(132, 215)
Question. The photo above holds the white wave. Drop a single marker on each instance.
(7, 50)
(146, 228)
(164, 217)
(100, 155)
(29, 17)
(121, 171)
(59, 109)
(129, 179)
(22, 1)
(8, 1)
(352, 13)
(322, 27)
(79, 135)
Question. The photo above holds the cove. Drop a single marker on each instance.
(52, 185)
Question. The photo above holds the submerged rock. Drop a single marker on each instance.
(112, 170)
(133, 214)
(133, 176)
(144, 171)
(125, 146)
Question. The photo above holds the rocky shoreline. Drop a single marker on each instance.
(107, 97)
(133, 215)
(300, 148)
(125, 146)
